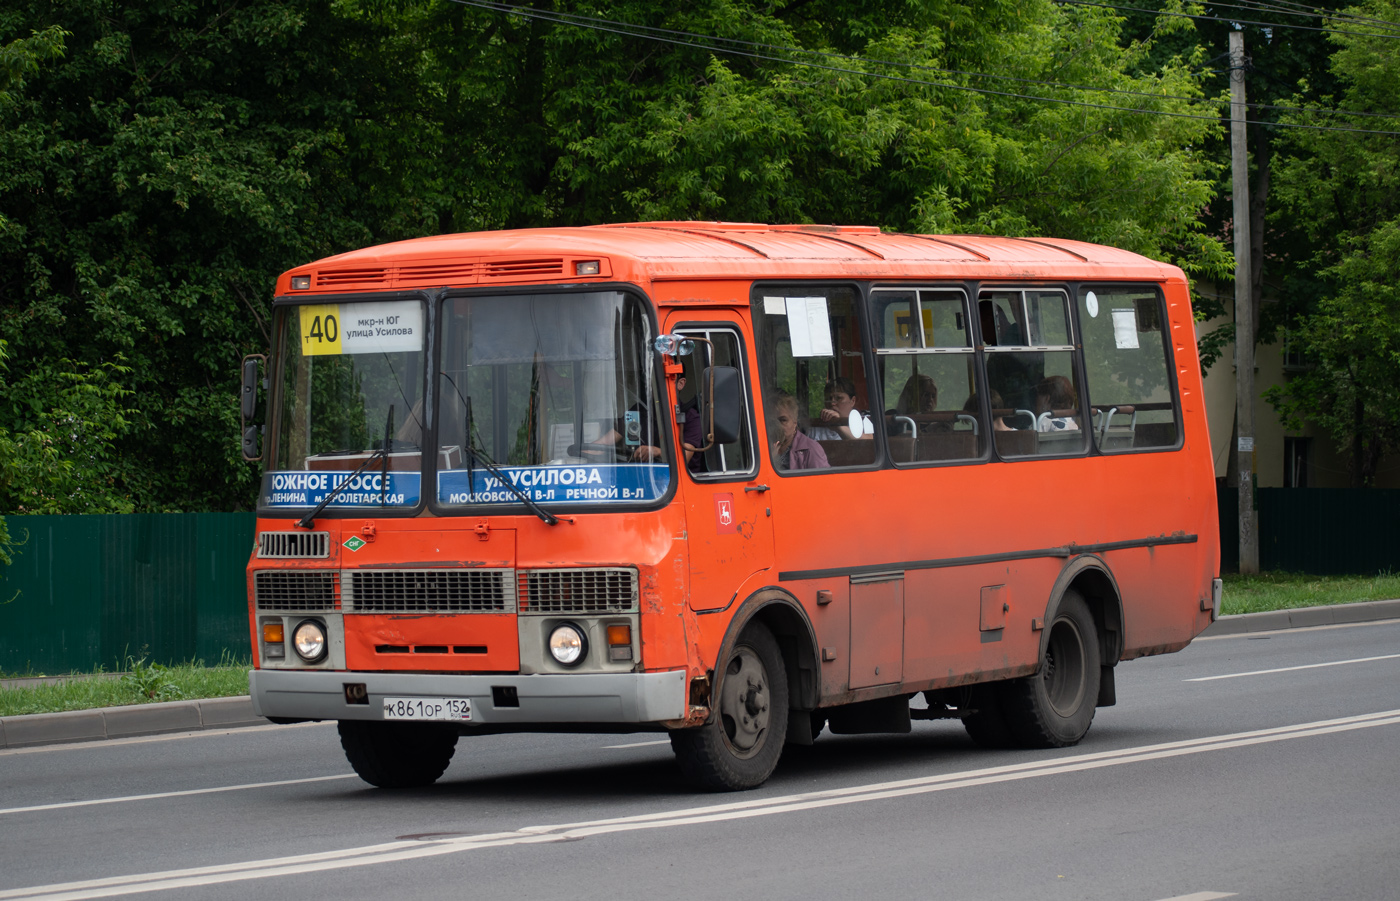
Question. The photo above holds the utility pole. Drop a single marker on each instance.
(1244, 309)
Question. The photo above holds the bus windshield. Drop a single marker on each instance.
(351, 380)
(559, 392)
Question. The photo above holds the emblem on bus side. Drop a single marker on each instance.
(724, 514)
(355, 542)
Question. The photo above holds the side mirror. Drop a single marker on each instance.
(248, 406)
(726, 403)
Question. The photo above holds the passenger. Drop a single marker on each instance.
(840, 401)
(972, 406)
(692, 435)
(1054, 394)
(793, 450)
(920, 395)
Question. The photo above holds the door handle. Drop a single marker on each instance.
(758, 488)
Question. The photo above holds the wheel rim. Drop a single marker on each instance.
(744, 703)
(1064, 673)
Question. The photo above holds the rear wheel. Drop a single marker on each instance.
(740, 745)
(986, 724)
(398, 755)
(1054, 707)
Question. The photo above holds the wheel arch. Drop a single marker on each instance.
(1090, 576)
(791, 627)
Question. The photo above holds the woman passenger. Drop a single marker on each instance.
(793, 450)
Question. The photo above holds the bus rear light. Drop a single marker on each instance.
(620, 642)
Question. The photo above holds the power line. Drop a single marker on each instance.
(1299, 9)
(1231, 20)
(697, 41)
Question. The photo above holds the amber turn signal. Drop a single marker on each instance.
(272, 633)
(619, 635)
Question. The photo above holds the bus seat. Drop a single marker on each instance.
(902, 448)
(1154, 434)
(849, 453)
(1016, 443)
(947, 446)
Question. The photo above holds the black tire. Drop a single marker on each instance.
(1054, 707)
(740, 745)
(986, 724)
(398, 755)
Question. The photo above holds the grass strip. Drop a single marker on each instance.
(142, 683)
(1285, 591)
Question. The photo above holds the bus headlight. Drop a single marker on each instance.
(568, 644)
(309, 639)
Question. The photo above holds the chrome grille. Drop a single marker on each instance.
(287, 589)
(428, 591)
(577, 591)
(294, 544)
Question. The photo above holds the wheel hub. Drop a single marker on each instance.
(744, 701)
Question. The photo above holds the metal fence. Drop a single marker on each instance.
(1324, 531)
(87, 591)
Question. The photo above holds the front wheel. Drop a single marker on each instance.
(1054, 707)
(740, 745)
(398, 755)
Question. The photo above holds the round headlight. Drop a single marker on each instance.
(309, 639)
(568, 644)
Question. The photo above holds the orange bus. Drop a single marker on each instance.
(737, 483)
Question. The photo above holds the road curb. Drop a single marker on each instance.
(231, 713)
(127, 722)
(1303, 617)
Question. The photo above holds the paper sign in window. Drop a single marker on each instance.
(1125, 331)
(774, 306)
(808, 326)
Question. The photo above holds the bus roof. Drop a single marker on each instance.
(646, 251)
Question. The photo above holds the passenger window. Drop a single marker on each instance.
(1127, 364)
(812, 363)
(927, 374)
(722, 459)
(1033, 384)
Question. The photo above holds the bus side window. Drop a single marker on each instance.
(736, 457)
(811, 357)
(928, 375)
(1127, 364)
(1033, 383)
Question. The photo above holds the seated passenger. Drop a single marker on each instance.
(792, 449)
(972, 404)
(840, 401)
(1055, 395)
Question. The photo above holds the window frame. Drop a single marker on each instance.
(706, 330)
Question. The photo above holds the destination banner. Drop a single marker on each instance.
(307, 488)
(557, 484)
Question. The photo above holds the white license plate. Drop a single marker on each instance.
(428, 709)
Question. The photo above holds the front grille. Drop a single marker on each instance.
(284, 545)
(429, 591)
(578, 591)
(295, 589)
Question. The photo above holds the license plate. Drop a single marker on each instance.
(428, 709)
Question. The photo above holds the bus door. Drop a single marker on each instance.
(729, 520)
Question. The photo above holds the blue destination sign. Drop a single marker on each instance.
(307, 488)
(557, 484)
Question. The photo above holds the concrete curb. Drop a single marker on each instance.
(1303, 617)
(127, 722)
(229, 713)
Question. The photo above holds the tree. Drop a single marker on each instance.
(1342, 188)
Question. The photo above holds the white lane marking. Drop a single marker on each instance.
(1289, 669)
(637, 744)
(1202, 896)
(175, 794)
(1370, 622)
(410, 850)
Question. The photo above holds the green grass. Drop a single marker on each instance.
(1284, 591)
(142, 683)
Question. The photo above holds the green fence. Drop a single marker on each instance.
(86, 591)
(1325, 531)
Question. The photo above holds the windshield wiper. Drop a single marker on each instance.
(381, 452)
(490, 466)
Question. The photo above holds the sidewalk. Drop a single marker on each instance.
(227, 713)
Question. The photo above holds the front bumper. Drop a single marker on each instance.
(576, 698)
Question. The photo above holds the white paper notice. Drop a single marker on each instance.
(1125, 333)
(774, 306)
(809, 326)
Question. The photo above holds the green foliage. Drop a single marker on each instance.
(181, 153)
(150, 681)
(1343, 188)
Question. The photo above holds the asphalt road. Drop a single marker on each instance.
(1259, 766)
